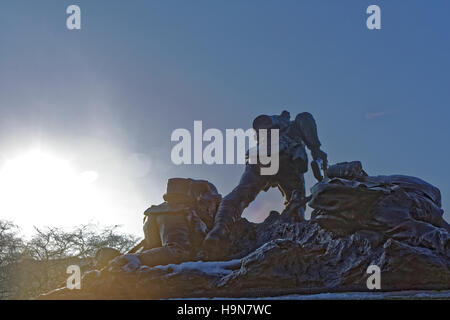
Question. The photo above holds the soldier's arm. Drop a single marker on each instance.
(307, 126)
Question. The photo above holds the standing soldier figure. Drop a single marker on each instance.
(293, 163)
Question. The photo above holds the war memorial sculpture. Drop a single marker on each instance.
(197, 244)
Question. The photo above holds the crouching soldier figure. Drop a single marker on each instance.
(293, 163)
(175, 229)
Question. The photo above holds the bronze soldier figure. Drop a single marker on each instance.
(293, 163)
(174, 230)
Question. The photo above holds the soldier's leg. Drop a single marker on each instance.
(294, 192)
(151, 233)
(151, 236)
(233, 204)
(174, 235)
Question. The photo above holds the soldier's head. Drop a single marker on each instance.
(268, 123)
(272, 122)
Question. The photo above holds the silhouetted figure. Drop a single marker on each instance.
(293, 163)
(174, 230)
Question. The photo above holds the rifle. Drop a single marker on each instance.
(316, 166)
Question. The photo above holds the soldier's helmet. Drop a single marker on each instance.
(272, 122)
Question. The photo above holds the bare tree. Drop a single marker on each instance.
(11, 248)
(81, 242)
(39, 265)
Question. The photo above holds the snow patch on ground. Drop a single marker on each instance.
(208, 267)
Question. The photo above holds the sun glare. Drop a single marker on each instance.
(43, 188)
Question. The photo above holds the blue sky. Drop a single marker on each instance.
(108, 96)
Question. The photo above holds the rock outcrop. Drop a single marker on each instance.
(393, 222)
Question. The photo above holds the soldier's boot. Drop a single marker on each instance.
(296, 206)
(217, 242)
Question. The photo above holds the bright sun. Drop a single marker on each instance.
(46, 189)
